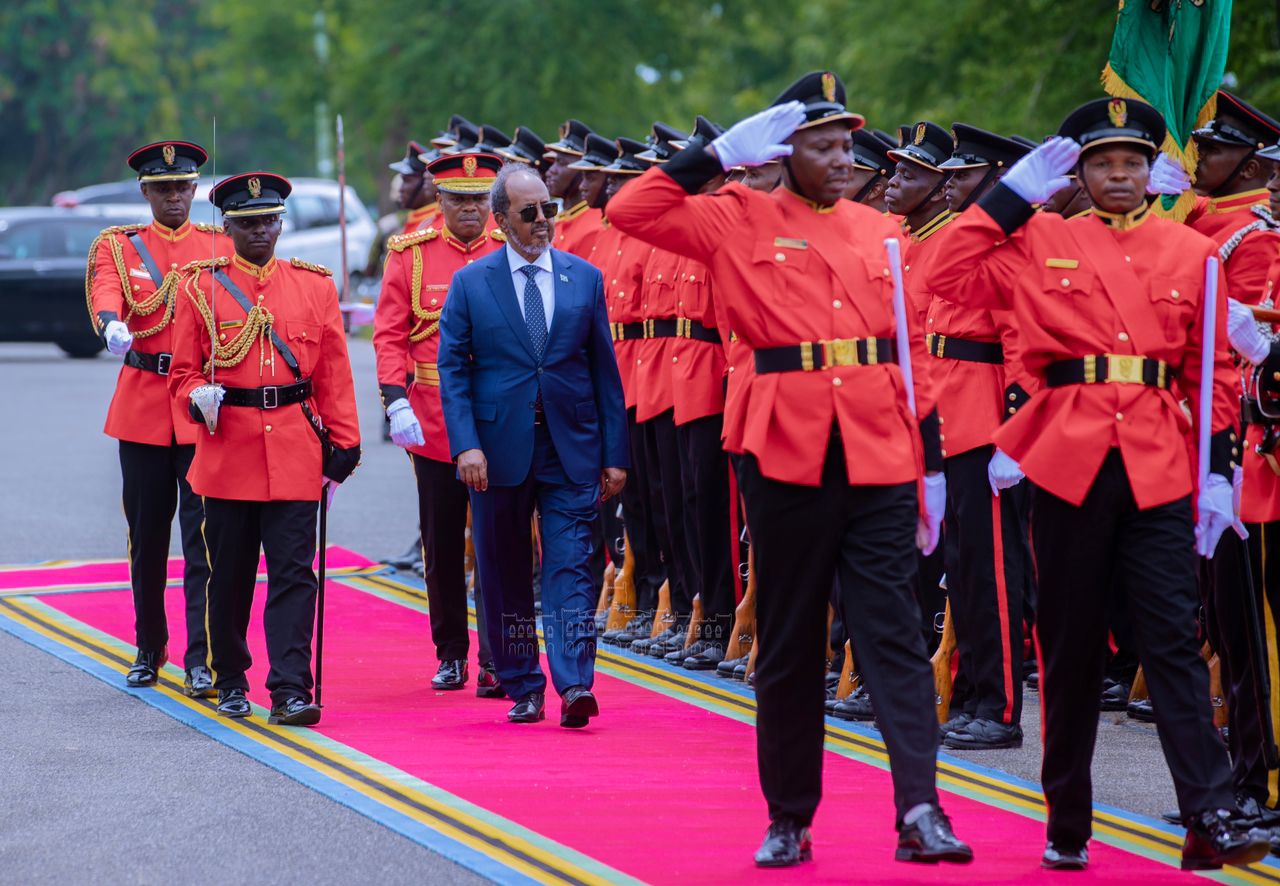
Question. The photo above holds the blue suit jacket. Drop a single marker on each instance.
(489, 378)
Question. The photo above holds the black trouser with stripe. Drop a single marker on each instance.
(1252, 700)
(442, 517)
(669, 497)
(640, 517)
(986, 553)
(1150, 553)
(155, 484)
(707, 533)
(805, 538)
(285, 531)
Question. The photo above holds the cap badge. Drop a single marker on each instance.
(920, 133)
(169, 154)
(1118, 111)
(469, 166)
(829, 86)
(255, 187)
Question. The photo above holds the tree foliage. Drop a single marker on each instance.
(84, 81)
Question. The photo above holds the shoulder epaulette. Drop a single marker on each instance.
(202, 263)
(498, 235)
(401, 242)
(308, 266)
(123, 229)
(209, 229)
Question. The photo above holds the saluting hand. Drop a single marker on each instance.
(1042, 173)
(759, 138)
(1167, 177)
(473, 469)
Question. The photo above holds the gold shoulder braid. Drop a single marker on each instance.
(496, 234)
(257, 325)
(401, 242)
(308, 266)
(209, 229)
(93, 263)
(427, 321)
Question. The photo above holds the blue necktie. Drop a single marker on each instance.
(534, 316)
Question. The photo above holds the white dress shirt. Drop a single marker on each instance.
(543, 279)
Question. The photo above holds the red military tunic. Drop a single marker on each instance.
(621, 260)
(406, 325)
(1260, 498)
(921, 249)
(789, 272)
(697, 367)
(264, 454)
(422, 218)
(577, 229)
(141, 410)
(1218, 218)
(1085, 286)
(652, 373)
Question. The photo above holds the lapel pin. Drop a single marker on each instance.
(564, 279)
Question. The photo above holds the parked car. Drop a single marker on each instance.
(42, 264)
(310, 232)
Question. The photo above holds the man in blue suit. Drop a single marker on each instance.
(534, 410)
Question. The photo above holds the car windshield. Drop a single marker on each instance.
(48, 238)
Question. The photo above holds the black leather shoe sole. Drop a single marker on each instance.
(578, 714)
(920, 856)
(803, 856)
(528, 718)
(1247, 854)
(451, 686)
(1064, 863)
(202, 692)
(308, 716)
(962, 742)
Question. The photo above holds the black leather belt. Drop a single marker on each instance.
(157, 363)
(965, 349)
(671, 327)
(810, 355)
(269, 397)
(1112, 368)
(626, 331)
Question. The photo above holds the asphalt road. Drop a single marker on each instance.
(95, 785)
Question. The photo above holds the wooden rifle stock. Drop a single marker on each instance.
(624, 592)
(1265, 315)
(742, 637)
(941, 662)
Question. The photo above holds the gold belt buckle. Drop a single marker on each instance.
(684, 327)
(650, 330)
(842, 352)
(1124, 369)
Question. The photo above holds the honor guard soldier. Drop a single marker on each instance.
(872, 169)
(407, 328)
(917, 194)
(449, 137)
(979, 383)
(260, 359)
(1110, 309)
(832, 451)
(131, 286)
(467, 137)
(526, 147)
(578, 223)
(417, 191)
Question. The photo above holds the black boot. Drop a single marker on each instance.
(1212, 841)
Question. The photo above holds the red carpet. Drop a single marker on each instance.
(657, 788)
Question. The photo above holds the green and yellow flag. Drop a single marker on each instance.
(1171, 54)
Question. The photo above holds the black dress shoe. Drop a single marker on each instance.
(577, 707)
(1115, 696)
(675, 641)
(1213, 841)
(1141, 710)
(929, 840)
(726, 666)
(641, 645)
(451, 675)
(528, 709)
(856, 707)
(198, 683)
(984, 735)
(295, 711)
(785, 844)
(487, 683)
(611, 637)
(1065, 858)
(232, 703)
(146, 667)
(637, 629)
(1033, 681)
(955, 724)
(740, 671)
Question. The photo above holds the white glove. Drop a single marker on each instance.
(1003, 472)
(935, 505)
(1245, 335)
(1167, 177)
(118, 337)
(405, 429)
(1216, 514)
(208, 400)
(758, 139)
(1042, 173)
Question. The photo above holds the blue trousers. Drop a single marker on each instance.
(500, 526)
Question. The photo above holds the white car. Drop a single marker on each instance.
(311, 230)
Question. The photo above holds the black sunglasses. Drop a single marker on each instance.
(529, 213)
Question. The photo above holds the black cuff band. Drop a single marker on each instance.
(1008, 209)
(693, 167)
(931, 436)
(339, 463)
(105, 317)
(1014, 399)
(392, 393)
(1224, 453)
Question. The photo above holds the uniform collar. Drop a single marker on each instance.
(172, 235)
(573, 211)
(816, 207)
(1123, 221)
(931, 227)
(1235, 202)
(422, 213)
(464, 248)
(258, 273)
